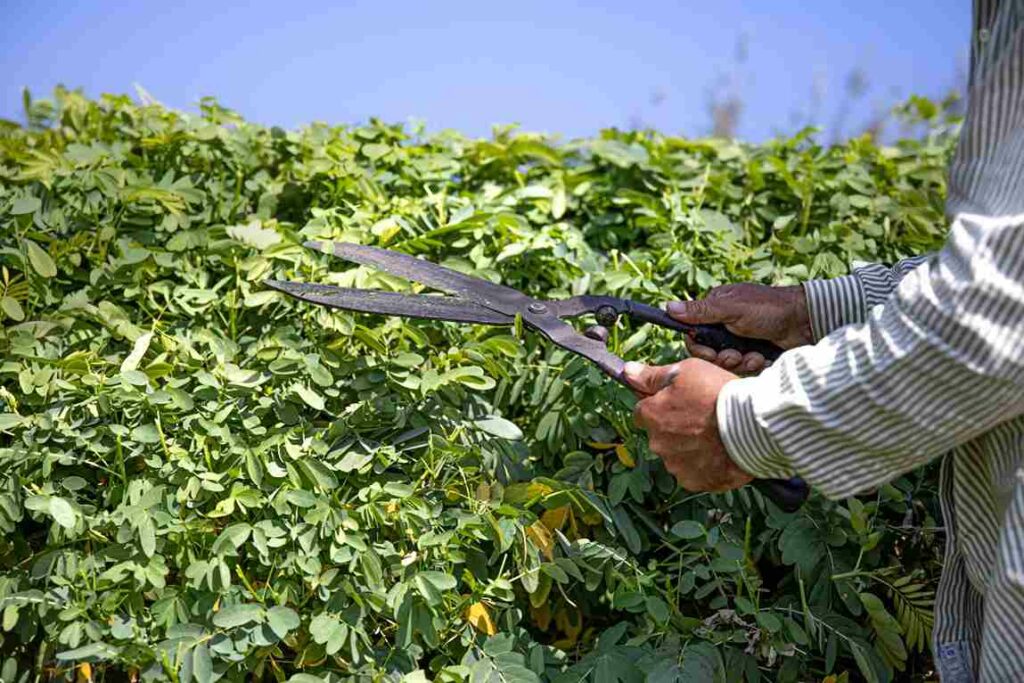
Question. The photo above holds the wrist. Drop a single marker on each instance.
(799, 331)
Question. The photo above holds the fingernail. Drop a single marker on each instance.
(632, 369)
(676, 308)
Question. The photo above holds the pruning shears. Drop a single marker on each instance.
(475, 300)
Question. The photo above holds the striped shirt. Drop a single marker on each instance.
(925, 360)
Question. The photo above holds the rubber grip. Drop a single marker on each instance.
(788, 495)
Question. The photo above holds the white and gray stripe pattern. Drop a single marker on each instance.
(922, 360)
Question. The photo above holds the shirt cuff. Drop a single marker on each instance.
(834, 303)
(746, 440)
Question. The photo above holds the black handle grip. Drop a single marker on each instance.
(788, 495)
(715, 336)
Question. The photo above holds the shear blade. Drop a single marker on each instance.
(392, 303)
(495, 297)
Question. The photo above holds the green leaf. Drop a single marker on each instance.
(431, 584)
(319, 473)
(12, 309)
(469, 375)
(147, 433)
(8, 421)
(500, 427)
(232, 616)
(800, 544)
(147, 535)
(311, 398)
(327, 630)
(202, 665)
(253, 234)
(687, 529)
(375, 151)
(282, 620)
(93, 652)
(24, 205)
(132, 360)
(408, 360)
(231, 538)
(769, 621)
(40, 260)
(62, 512)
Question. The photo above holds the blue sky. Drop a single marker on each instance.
(569, 68)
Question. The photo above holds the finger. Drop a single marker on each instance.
(649, 379)
(714, 308)
(729, 359)
(753, 362)
(695, 312)
(700, 351)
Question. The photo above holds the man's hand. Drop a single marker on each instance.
(778, 314)
(679, 416)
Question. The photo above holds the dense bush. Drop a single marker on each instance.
(200, 478)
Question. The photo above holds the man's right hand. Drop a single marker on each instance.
(778, 314)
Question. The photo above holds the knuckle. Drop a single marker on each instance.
(700, 307)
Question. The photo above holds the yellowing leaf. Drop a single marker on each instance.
(524, 491)
(601, 445)
(542, 538)
(555, 519)
(570, 623)
(478, 616)
(541, 616)
(625, 457)
(84, 672)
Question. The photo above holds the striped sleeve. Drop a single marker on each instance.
(846, 300)
(940, 363)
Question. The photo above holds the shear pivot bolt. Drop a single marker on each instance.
(606, 315)
(537, 308)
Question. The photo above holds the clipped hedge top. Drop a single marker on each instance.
(200, 477)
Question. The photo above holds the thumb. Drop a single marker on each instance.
(697, 311)
(648, 379)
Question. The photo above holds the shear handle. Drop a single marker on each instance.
(715, 336)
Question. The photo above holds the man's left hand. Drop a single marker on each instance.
(678, 412)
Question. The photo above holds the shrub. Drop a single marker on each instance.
(201, 478)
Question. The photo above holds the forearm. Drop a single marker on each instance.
(941, 362)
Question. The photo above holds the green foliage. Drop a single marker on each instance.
(200, 478)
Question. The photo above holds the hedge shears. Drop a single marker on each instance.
(475, 300)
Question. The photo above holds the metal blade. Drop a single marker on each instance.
(566, 336)
(392, 303)
(495, 297)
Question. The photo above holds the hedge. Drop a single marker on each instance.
(202, 479)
